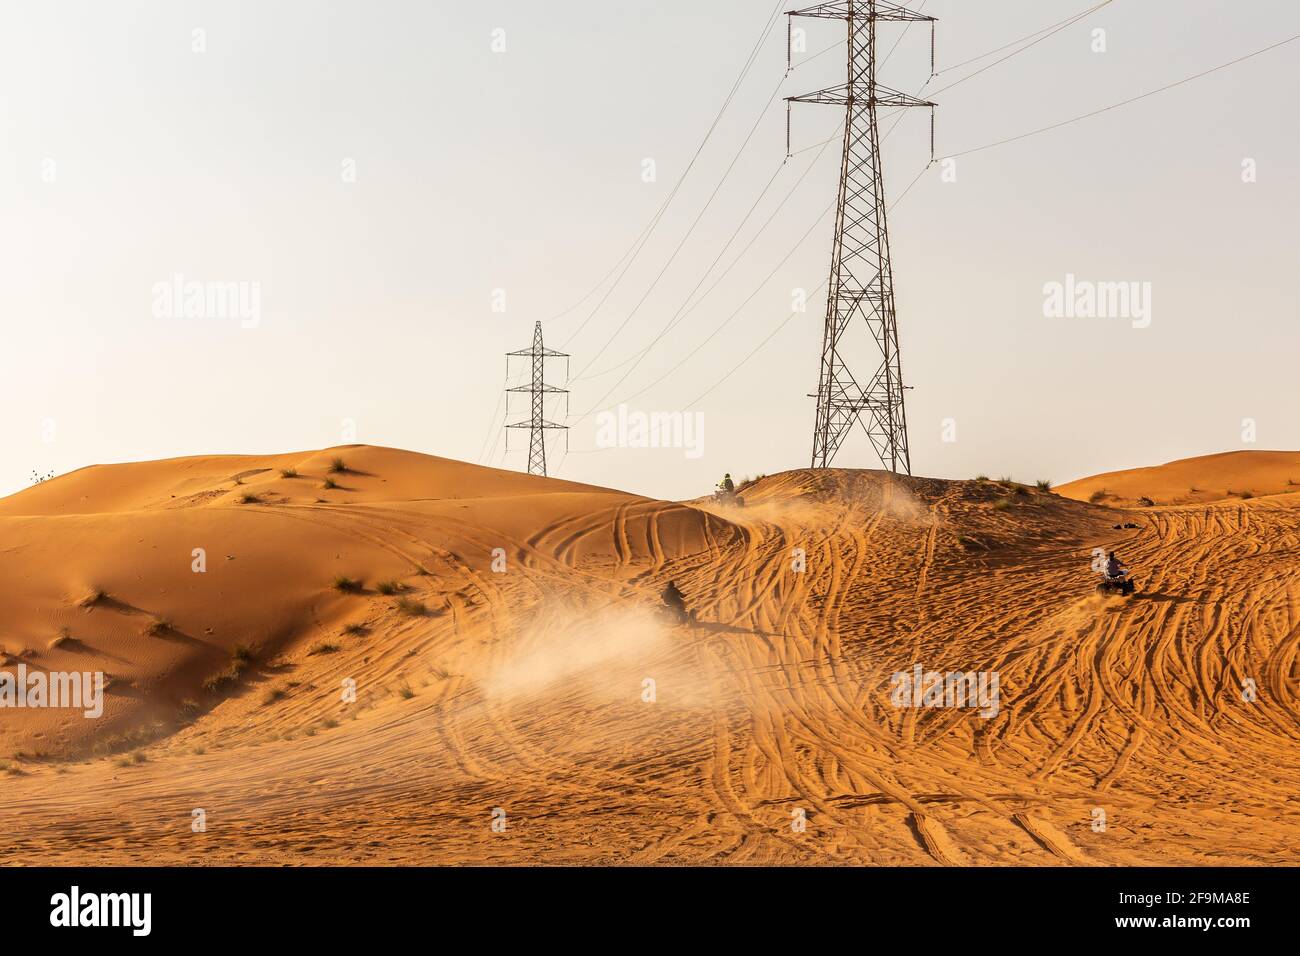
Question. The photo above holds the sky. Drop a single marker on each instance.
(364, 206)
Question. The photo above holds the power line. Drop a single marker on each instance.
(689, 232)
(676, 319)
(771, 335)
(766, 279)
(1029, 36)
(1067, 23)
(645, 234)
(1134, 99)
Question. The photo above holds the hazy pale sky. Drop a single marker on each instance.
(385, 177)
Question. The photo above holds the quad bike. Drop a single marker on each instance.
(1119, 584)
(672, 614)
(725, 498)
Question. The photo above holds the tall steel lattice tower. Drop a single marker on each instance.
(537, 423)
(861, 279)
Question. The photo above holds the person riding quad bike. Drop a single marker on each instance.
(675, 603)
(1115, 576)
(725, 494)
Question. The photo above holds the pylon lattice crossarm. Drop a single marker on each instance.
(544, 388)
(546, 353)
(847, 9)
(542, 424)
(842, 96)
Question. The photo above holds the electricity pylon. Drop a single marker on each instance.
(537, 424)
(861, 279)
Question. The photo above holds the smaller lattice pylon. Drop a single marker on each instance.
(537, 423)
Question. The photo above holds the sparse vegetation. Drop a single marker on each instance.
(411, 607)
(273, 695)
(389, 587)
(346, 584)
(323, 647)
(1146, 502)
(355, 630)
(158, 627)
(337, 466)
(1097, 496)
(240, 658)
(219, 682)
(405, 691)
(1043, 484)
(248, 499)
(981, 478)
(329, 483)
(288, 472)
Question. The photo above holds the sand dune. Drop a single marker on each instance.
(1234, 474)
(544, 691)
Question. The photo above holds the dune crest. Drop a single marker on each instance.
(1233, 474)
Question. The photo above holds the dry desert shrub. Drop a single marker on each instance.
(411, 607)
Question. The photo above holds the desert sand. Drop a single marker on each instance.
(1233, 474)
(509, 667)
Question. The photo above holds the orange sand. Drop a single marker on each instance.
(1233, 474)
(529, 690)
